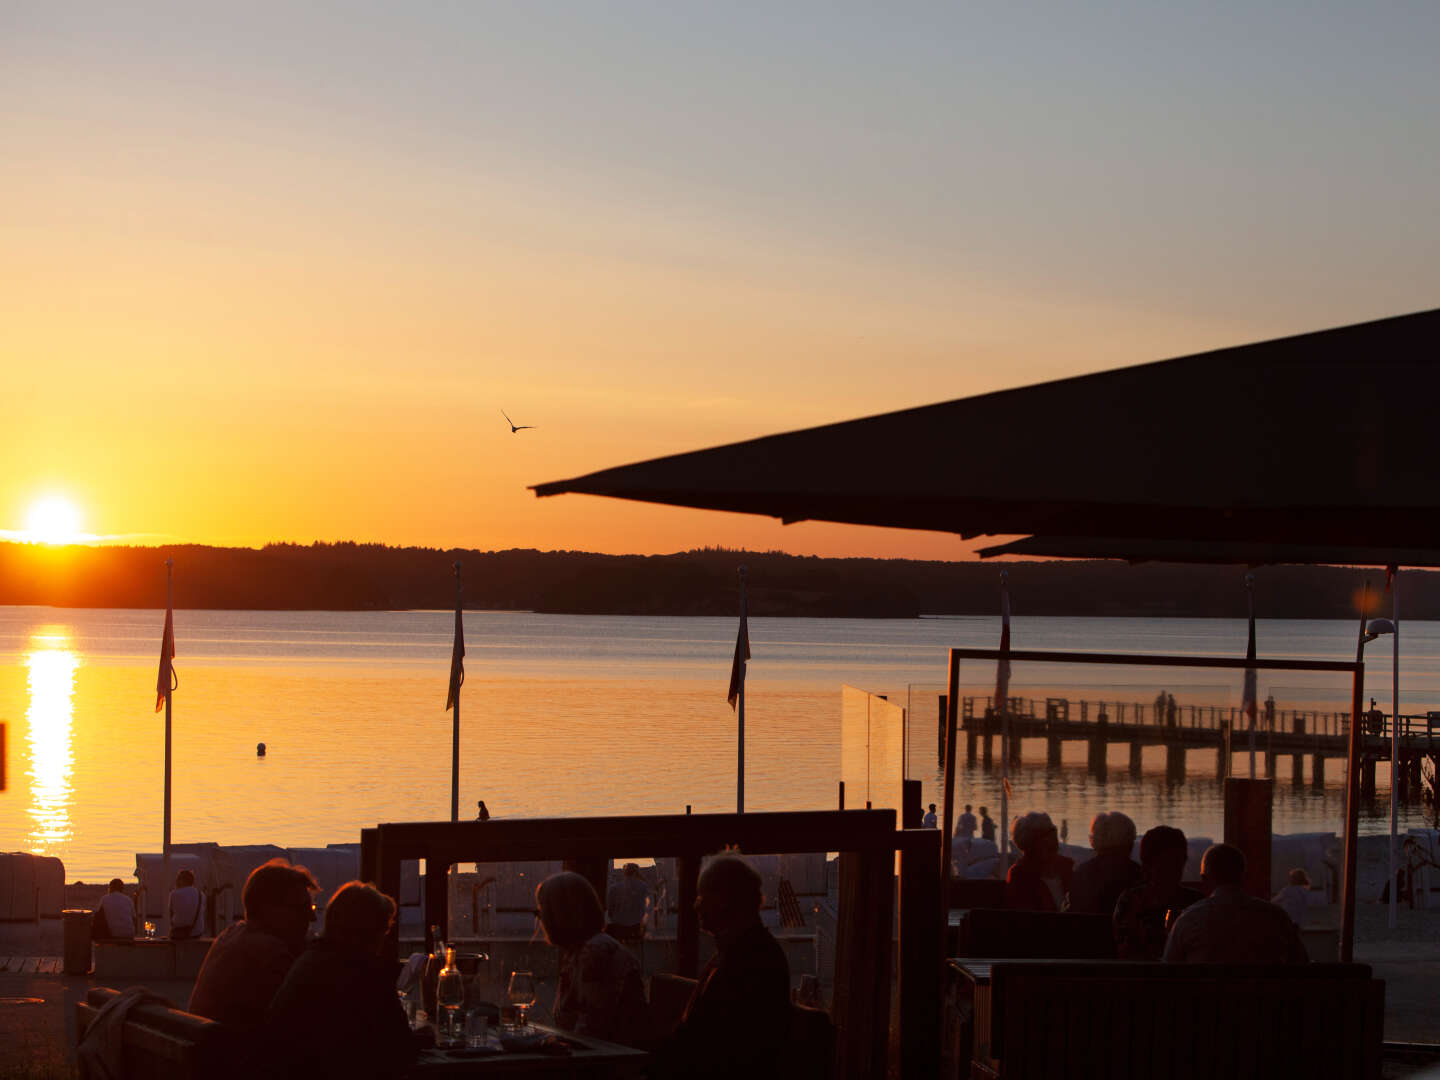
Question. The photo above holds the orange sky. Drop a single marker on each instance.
(275, 280)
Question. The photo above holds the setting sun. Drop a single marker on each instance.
(53, 520)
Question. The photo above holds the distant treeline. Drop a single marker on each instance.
(349, 577)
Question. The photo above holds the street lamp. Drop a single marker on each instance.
(1374, 629)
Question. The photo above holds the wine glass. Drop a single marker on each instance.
(149, 928)
(521, 994)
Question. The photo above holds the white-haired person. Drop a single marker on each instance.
(598, 991)
(1040, 878)
(1100, 880)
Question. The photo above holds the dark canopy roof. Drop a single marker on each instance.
(1191, 551)
(1329, 439)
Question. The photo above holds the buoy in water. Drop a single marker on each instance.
(260, 749)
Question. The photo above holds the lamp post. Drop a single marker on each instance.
(1375, 629)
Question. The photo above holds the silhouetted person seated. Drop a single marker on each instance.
(1041, 876)
(186, 908)
(598, 989)
(1230, 926)
(738, 1018)
(1141, 910)
(247, 963)
(628, 902)
(336, 1013)
(114, 918)
(1099, 881)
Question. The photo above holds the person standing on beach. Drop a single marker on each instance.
(987, 825)
(247, 963)
(965, 827)
(929, 821)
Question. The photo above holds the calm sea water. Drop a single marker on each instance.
(570, 715)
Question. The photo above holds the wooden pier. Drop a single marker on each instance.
(1296, 733)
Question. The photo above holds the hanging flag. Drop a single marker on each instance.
(164, 681)
(1002, 669)
(742, 652)
(1248, 701)
(457, 663)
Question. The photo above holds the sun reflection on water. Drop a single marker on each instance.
(51, 664)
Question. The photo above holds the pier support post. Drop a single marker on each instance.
(1014, 742)
(1174, 761)
(1097, 746)
(1137, 749)
(1317, 770)
(1297, 770)
(1052, 752)
(1367, 778)
(970, 738)
(987, 749)
(1221, 765)
(1270, 763)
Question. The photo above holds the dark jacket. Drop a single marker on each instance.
(738, 1019)
(1025, 886)
(240, 974)
(336, 1015)
(1099, 881)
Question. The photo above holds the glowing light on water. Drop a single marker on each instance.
(51, 664)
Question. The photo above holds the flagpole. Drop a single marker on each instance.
(1005, 719)
(455, 721)
(169, 687)
(740, 709)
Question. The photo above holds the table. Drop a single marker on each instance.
(594, 1060)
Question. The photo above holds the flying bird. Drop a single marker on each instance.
(514, 427)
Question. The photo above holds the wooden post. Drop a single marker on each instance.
(437, 898)
(1175, 761)
(1247, 826)
(1317, 770)
(921, 959)
(947, 823)
(1052, 751)
(862, 963)
(1137, 750)
(912, 811)
(940, 731)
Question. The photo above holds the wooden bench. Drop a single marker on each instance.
(1039, 1018)
(1032, 935)
(161, 1043)
(149, 958)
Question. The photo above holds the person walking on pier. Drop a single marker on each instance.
(987, 825)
